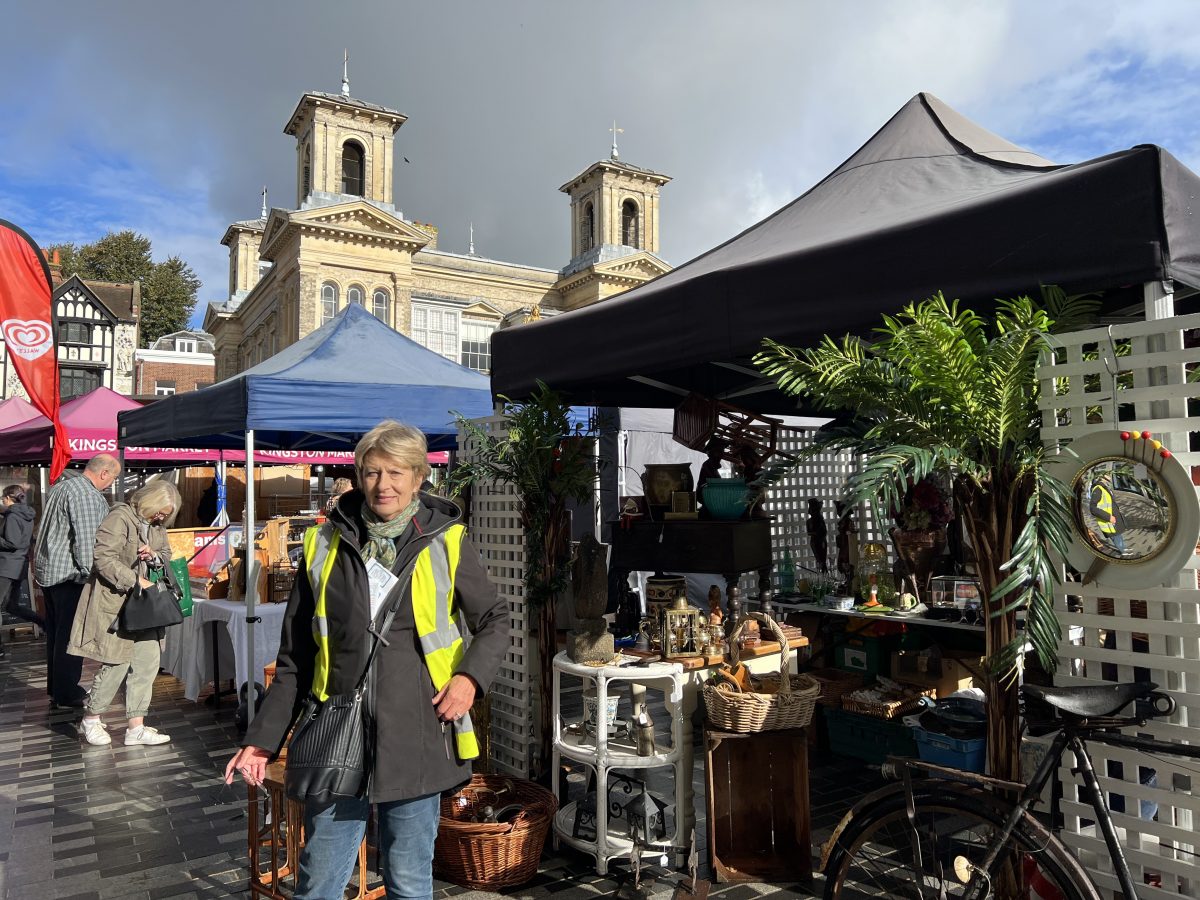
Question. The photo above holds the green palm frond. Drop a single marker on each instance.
(945, 389)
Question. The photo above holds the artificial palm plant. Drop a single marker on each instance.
(943, 389)
(549, 462)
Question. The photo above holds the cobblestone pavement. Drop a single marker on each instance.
(143, 823)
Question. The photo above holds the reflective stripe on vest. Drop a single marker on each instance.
(320, 550)
(1105, 504)
(432, 591)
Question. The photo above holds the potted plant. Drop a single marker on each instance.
(549, 462)
(944, 390)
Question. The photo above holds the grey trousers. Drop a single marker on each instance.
(142, 671)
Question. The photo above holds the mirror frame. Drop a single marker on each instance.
(1084, 452)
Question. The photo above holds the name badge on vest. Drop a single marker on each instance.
(381, 581)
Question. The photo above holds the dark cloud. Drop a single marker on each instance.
(745, 105)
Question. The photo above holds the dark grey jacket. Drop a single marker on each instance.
(414, 757)
(16, 531)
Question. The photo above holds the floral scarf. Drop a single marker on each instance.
(382, 535)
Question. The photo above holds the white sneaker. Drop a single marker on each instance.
(94, 732)
(145, 735)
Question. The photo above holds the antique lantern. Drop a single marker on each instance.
(680, 630)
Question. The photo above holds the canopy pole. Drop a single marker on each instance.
(121, 477)
(251, 577)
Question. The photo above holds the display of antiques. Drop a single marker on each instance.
(681, 632)
(591, 642)
(660, 481)
(643, 812)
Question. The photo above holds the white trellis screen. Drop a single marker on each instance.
(1140, 369)
(496, 530)
(822, 476)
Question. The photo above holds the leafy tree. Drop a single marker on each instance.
(168, 288)
(945, 390)
(168, 299)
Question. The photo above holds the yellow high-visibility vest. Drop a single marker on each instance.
(1105, 505)
(432, 587)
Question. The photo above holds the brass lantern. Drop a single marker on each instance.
(681, 636)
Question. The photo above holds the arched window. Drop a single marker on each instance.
(355, 294)
(381, 304)
(306, 187)
(329, 301)
(353, 168)
(629, 224)
(587, 228)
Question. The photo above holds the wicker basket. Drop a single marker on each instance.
(835, 683)
(484, 855)
(885, 709)
(790, 703)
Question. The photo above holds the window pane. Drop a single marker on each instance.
(355, 294)
(476, 345)
(436, 328)
(328, 301)
(352, 169)
(380, 306)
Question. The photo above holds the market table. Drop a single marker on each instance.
(188, 654)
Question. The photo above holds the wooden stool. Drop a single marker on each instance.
(274, 847)
(759, 825)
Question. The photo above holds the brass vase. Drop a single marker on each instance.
(917, 550)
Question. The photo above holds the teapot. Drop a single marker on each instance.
(650, 628)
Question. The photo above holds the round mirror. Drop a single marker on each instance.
(1136, 514)
(1123, 509)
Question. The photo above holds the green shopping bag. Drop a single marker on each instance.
(179, 568)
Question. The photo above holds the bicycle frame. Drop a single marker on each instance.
(1069, 736)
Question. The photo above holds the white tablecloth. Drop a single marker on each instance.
(188, 651)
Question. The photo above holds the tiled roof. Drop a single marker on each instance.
(118, 298)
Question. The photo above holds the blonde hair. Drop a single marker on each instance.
(340, 486)
(403, 443)
(152, 499)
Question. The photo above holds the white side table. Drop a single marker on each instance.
(598, 751)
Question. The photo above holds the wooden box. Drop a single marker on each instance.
(758, 809)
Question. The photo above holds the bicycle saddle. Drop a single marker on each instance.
(1090, 700)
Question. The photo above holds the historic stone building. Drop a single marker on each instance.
(290, 270)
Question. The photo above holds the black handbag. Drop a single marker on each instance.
(330, 753)
(154, 607)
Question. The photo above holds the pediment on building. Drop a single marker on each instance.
(640, 266)
(362, 218)
(356, 220)
(481, 309)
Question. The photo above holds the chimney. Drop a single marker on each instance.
(54, 263)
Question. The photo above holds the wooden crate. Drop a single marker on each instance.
(759, 827)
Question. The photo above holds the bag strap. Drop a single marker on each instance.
(377, 634)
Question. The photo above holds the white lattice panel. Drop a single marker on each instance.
(495, 526)
(824, 477)
(1125, 377)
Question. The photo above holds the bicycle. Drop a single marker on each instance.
(955, 835)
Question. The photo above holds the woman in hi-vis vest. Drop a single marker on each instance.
(424, 679)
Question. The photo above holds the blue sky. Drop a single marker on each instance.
(168, 118)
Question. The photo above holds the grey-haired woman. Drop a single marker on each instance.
(131, 539)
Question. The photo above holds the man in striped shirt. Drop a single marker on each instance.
(74, 509)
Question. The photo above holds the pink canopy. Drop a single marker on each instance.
(17, 409)
(91, 423)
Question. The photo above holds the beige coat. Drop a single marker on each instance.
(113, 577)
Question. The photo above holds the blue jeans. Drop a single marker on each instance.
(407, 829)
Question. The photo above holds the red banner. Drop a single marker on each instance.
(27, 325)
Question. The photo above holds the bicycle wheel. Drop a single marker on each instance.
(874, 855)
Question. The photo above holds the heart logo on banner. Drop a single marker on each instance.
(28, 338)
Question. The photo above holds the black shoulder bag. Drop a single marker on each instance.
(154, 607)
(329, 755)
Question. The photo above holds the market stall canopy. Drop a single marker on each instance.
(321, 393)
(931, 202)
(15, 410)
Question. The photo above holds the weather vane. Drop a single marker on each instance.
(346, 72)
(263, 214)
(615, 131)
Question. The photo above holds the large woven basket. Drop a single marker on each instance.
(788, 704)
(484, 855)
